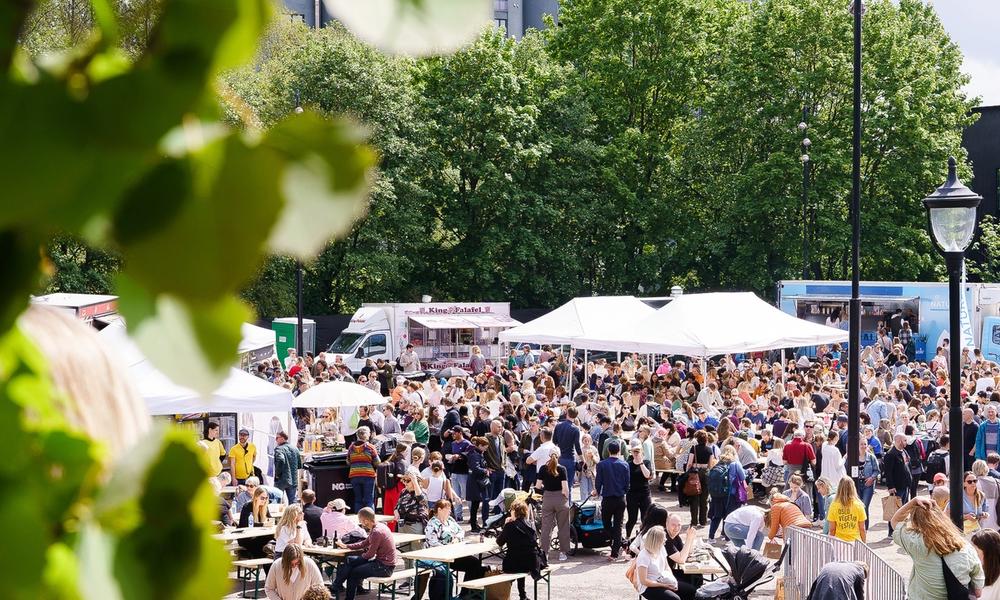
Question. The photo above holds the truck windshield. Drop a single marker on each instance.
(345, 343)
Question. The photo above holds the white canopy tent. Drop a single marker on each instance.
(240, 393)
(581, 318)
(705, 325)
(255, 338)
(338, 394)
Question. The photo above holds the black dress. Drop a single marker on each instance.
(521, 556)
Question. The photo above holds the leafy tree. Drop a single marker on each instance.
(79, 268)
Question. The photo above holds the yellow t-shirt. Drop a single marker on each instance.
(242, 460)
(849, 519)
(214, 450)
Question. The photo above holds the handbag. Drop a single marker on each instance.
(692, 486)
(773, 550)
(955, 589)
(890, 504)
(807, 474)
(741, 490)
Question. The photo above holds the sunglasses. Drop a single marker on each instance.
(968, 481)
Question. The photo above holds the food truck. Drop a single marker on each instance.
(442, 333)
(923, 304)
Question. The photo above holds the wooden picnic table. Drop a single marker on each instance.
(448, 554)
(706, 567)
(232, 535)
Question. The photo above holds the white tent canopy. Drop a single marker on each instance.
(255, 338)
(240, 392)
(717, 323)
(581, 318)
(337, 394)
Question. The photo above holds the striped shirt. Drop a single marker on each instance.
(362, 457)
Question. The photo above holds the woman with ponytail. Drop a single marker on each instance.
(555, 503)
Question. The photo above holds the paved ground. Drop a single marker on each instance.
(589, 575)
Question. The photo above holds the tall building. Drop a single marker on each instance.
(982, 141)
(518, 16)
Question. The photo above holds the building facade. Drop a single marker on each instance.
(982, 142)
(518, 16)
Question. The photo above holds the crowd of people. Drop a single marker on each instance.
(749, 445)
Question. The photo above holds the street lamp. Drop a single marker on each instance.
(806, 143)
(951, 219)
(299, 342)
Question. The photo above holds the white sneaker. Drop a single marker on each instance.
(562, 557)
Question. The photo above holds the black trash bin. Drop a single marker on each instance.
(329, 474)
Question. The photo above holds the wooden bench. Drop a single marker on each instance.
(389, 582)
(547, 578)
(254, 565)
(480, 585)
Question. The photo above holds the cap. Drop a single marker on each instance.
(457, 429)
(244, 430)
(940, 478)
(339, 505)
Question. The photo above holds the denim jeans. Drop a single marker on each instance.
(570, 466)
(364, 492)
(497, 481)
(737, 534)
(290, 491)
(586, 486)
(459, 483)
(355, 570)
(867, 492)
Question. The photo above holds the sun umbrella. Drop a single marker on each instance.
(450, 372)
(337, 393)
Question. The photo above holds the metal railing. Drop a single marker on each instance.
(808, 551)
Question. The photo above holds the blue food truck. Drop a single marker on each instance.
(923, 304)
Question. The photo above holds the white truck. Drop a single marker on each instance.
(442, 333)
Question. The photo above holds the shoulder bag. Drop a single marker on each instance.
(955, 589)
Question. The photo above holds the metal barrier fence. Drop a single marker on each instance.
(808, 551)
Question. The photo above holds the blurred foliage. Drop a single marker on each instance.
(124, 175)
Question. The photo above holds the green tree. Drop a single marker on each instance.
(79, 268)
(742, 156)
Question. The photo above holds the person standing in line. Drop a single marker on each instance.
(566, 437)
(700, 461)
(897, 471)
(638, 499)
(612, 484)
(530, 441)
(287, 462)
(496, 458)
(214, 449)
(555, 508)
(241, 458)
(362, 458)
(456, 458)
(409, 362)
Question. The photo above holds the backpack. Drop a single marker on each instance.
(935, 464)
(718, 480)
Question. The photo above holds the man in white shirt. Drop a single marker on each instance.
(710, 396)
(541, 455)
(408, 360)
(291, 359)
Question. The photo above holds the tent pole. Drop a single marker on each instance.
(586, 376)
(569, 377)
(784, 372)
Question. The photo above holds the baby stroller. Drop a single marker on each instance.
(586, 527)
(744, 573)
(506, 498)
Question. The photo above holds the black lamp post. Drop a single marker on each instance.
(951, 217)
(299, 342)
(806, 143)
(854, 316)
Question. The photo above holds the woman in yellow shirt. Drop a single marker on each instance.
(847, 513)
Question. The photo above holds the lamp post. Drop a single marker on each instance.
(854, 351)
(951, 218)
(299, 342)
(803, 126)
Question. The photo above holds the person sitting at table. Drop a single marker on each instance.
(521, 542)
(275, 496)
(678, 550)
(295, 573)
(312, 514)
(441, 530)
(224, 508)
(653, 578)
(291, 529)
(378, 558)
(335, 520)
(254, 514)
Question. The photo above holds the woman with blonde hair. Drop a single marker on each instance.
(990, 488)
(846, 513)
(254, 514)
(290, 577)
(291, 529)
(927, 535)
(653, 578)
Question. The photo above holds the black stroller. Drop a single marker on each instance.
(744, 573)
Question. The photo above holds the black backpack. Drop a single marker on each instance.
(935, 464)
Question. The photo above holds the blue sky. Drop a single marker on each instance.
(975, 26)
